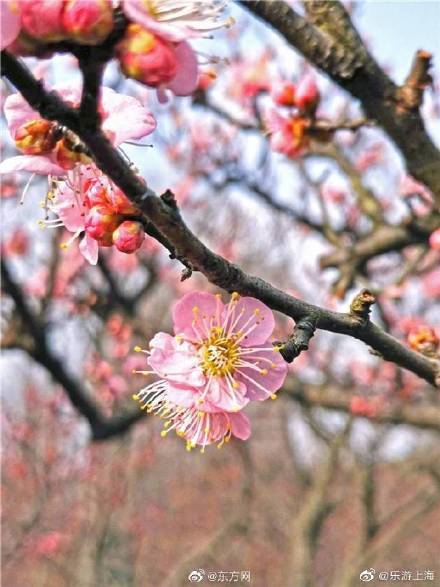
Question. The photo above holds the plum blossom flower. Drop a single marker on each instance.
(288, 134)
(155, 51)
(47, 153)
(177, 20)
(217, 362)
(71, 214)
(90, 206)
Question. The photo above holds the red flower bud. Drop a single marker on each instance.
(35, 137)
(66, 156)
(42, 19)
(424, 340)
(284, 94)
(88, 22)
(129, 236)
(434, 240)
(100, 224)
(307, 95)
(147, 58)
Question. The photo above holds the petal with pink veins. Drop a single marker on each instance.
(177, 363)
(221, 395)
(201, 304)
(254, 319)
(261, 386)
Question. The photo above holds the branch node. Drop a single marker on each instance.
(299, 340)
(360, 307)
(410, 95)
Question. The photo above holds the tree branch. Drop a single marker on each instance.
(163, 214)
(333, 398)
(101, 427)
(339, 53)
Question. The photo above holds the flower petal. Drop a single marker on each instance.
(261, 386)
(201, 307)
(18, 112)
(125, 117)
(89, 249)
(137, 11)
(221, 395)
(177, 363)
(253, 318)
(184, 82)
(33, 163)
(241, 427)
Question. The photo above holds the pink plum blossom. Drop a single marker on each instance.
(123, 118)
(71, 214)
(157, 62)
(218, 360)
(288, 134)
(177, 20)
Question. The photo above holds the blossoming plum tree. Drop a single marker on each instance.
(289, 255)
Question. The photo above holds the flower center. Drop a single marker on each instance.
(219, 353)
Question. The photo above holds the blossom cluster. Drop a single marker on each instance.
(84, 200)
(153, 50)
(289, 132)
(218, 361)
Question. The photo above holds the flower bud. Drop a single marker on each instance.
(121, 203)
(66, 156)
(284, 93)
(88, 22)
(147, 58)
(129, 236)
(35, 137)
(424, 340)
(100, 224)
(42, 19)
(307, 95)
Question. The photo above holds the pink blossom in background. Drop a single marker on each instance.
(307, 94)
(218, 360)
(287, 134)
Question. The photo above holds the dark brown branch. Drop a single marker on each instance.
(354, 69)
(299, 341)
(383, 239)
(163, 214)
